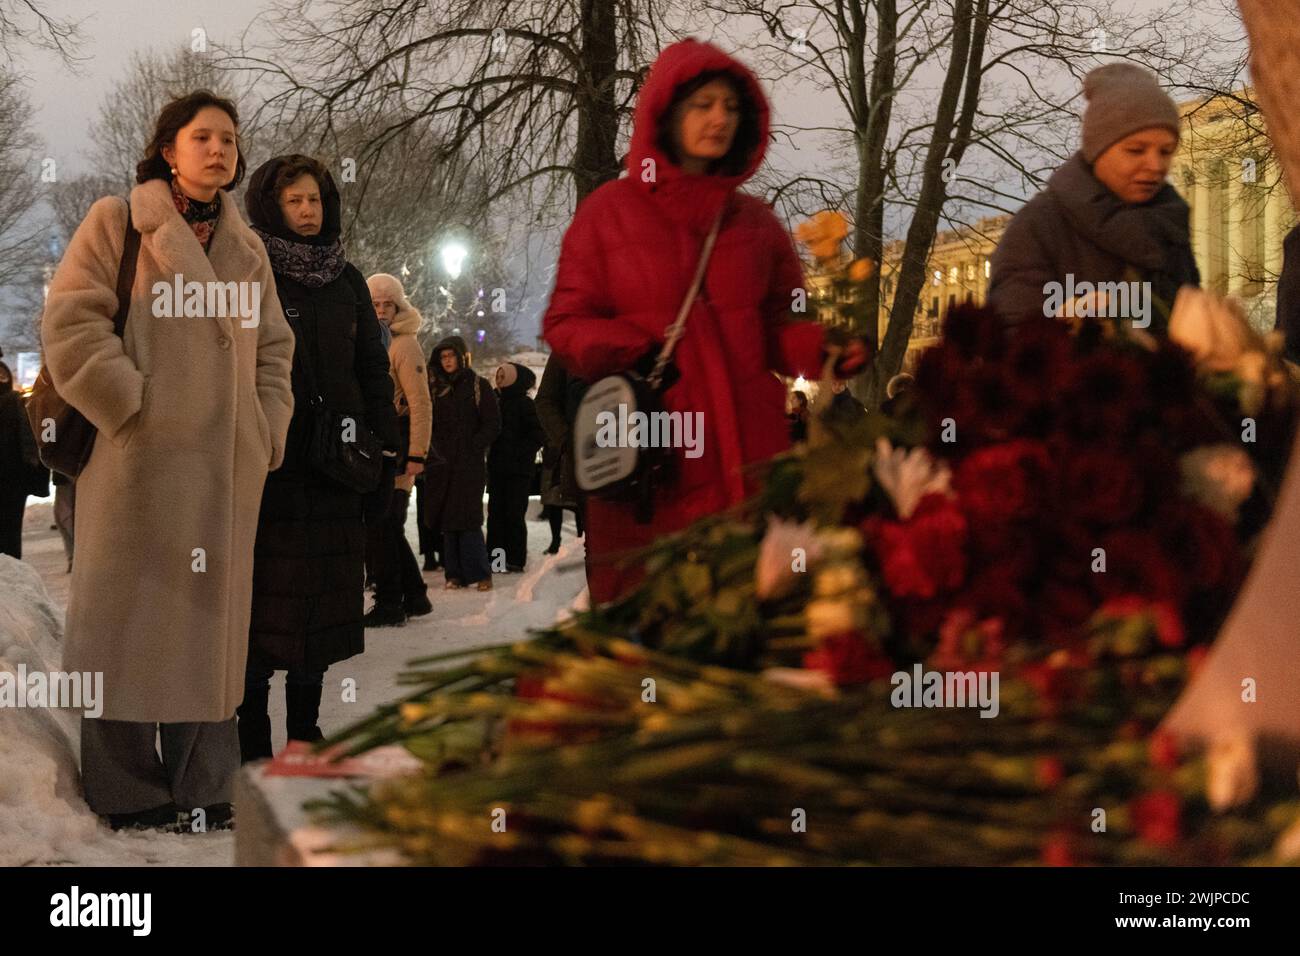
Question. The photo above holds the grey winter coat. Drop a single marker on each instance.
(1077, 226)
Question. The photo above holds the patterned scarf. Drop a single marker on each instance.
(202, 216)
(312, 265)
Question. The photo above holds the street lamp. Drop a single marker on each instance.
(453, 257)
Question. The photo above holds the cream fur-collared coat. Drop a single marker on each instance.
(192, 413)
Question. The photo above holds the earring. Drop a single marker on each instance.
(173, 170)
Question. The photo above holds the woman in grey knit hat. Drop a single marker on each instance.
(1108, 222)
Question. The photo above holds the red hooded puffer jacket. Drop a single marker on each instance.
(624, 268)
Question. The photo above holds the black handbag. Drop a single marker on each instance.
(622, 472)
(339, 446)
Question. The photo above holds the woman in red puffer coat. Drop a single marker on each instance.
(700, 130)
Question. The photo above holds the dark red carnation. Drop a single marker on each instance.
(1104, 398)
(926, 554)
(1136, 564)
(1098, 485)
(1203, 543)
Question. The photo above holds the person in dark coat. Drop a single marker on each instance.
(1108, 215)
(512, 464)
(1288, 295)
(558, 398)
(308, 568)
(465, 423)
(19, 473)
(844, 408)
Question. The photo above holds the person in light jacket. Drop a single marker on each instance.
(400, 591)
(192, 406)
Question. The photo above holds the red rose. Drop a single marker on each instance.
(1157, 818)
(848, 658)
(925, 554)
(1002, 483)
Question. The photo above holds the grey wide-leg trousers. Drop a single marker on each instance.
(122, 773)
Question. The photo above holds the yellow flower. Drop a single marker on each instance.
(862, 269)
(823, 233)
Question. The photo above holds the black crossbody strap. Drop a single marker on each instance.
(126, 273)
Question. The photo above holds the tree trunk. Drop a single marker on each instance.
(948, 141)
(874, 111)
(594, 158)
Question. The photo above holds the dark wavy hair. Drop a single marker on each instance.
(173, 117)
(746, 139)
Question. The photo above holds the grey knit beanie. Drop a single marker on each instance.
(1122, 99)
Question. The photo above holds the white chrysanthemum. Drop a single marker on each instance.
(909, 475)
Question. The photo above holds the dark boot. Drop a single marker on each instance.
(385, 615)
(254, 725)
(302, 706)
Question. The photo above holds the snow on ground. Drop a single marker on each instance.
(43, 818)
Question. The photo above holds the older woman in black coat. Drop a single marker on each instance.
(308, 571)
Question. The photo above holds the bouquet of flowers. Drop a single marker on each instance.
(1063, 514)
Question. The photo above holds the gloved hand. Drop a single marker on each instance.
(646, 363)
(375, 505)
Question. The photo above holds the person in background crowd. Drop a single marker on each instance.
(844, 408)
(465, 423)
(1109, 214)
(429, 543)
(21, 472)
(308, 559)
(400, 591)
(512, 465)
(797, 415)
(898, 387)
(192, 413)
(699, 132)
(558, 398)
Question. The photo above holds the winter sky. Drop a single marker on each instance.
(66, 100)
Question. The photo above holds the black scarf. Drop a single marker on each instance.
(202, 216)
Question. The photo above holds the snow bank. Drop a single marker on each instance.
(43, 818)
